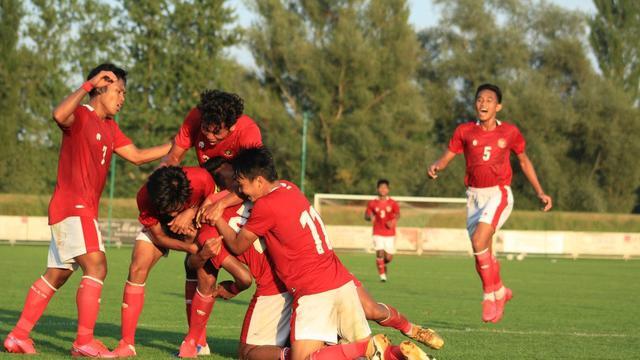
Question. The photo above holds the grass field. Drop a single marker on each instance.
(562, 309)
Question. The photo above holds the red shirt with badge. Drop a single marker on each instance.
(297, 242)
(85, 156)
(487, 152)
(383, 211)
(201, 184)
(245, 134)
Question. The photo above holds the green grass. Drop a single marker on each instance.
(562, 309)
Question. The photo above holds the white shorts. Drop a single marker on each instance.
(72, 237)
(386, 243)
(267, 321)
(490, 205)
(145, 235)
(327, 315)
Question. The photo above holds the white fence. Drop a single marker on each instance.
(409, 240)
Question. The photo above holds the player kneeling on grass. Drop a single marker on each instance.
(266, 328)
(325, 299)
(384, 212)
(487, 144)
(89, 138)
(169, 191)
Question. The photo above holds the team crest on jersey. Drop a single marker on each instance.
(228, 153)
(98, 136)
(388, 208)
(201, 144)
(502, 143)
(474, 142)
(205, 158)
(377, 209)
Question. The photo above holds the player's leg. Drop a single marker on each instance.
(389, 250)
(266, 328)
(201, 308)
(386, 315)
(380, 264)
(143, 257)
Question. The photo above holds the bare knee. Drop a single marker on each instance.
(57, 277)
(138, 272)
(93, 264)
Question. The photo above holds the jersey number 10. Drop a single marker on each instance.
(311, 219)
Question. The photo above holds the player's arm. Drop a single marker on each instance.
(209, 249)
(530, 173)
(175, 155)
(137, 156)
(63, 113)
(236, 242)
(368, 212)
(211, 213)
(440, 164)
(159, 238)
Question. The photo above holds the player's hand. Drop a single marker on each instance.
(183, 222)
(104, 78)
(225, 290)
(210, 214)
(390, 224)
(433, 170)
(546, 200)
(211, 248)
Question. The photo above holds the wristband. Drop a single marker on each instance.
(87, 86)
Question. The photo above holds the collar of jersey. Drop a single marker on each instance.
(498, 122)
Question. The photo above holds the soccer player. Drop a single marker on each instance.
(487, 144)
(385, 212)
(89, 138)
(169, 191)
(325, 299)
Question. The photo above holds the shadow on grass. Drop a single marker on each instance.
(53, 330)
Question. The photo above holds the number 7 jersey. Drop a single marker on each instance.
(297, 242)
(487, 152)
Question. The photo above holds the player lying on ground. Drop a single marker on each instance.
(266, 327)
(325, 299)
(89, 138)
(169, 191)
(487, 144)
(384, 212)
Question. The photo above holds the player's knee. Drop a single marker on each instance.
(244, 350)
(138, 272)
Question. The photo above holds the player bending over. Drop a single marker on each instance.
(386, 213)
(89, 138)
(325, 299)
(487, 144)
(169, 191)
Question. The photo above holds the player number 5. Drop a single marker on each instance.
(487, 153)
(309, 219)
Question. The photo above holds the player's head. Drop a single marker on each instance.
(111, 97)
(221, 170)
(488, 101)
(383, 187)
(219, 112)
(169, 189)
(255, 172)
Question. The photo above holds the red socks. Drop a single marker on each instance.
(201, 307)
(190, 286)
(381, 266)
(342, 352)
(484, 267)
(495, 274)
(37, 299)
(88, 301)
(395, 320)
(132, 303)
(393, 353)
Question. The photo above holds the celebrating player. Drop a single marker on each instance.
(487, 144)
(386, 213)
(89, 137)
(169, 191)
(326, 302)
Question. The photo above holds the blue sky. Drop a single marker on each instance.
(423, 14)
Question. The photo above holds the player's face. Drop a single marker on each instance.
(214, 134)
(113, 98)
(383, 190)
(253, 189)
(487, 105)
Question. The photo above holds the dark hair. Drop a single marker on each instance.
(253, 162)
(491, 87)
(212, 165)
(118, 72)
(219, 108)
(382, 181)
(169, 188)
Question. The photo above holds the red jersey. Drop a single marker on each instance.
(383, 211)
(487, 152)
(245, 134)
(85, 156)
(297, 242)
(201, 186)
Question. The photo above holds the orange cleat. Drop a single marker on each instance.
(488, 310)
(18, 346)
(508, 294)
(124, 350)
(188, 349)
(94, 348)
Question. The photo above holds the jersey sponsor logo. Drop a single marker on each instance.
(228, 153)
(201, 144)
(474, 142)
(502, 143)
(98, 136)
(205, 157)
